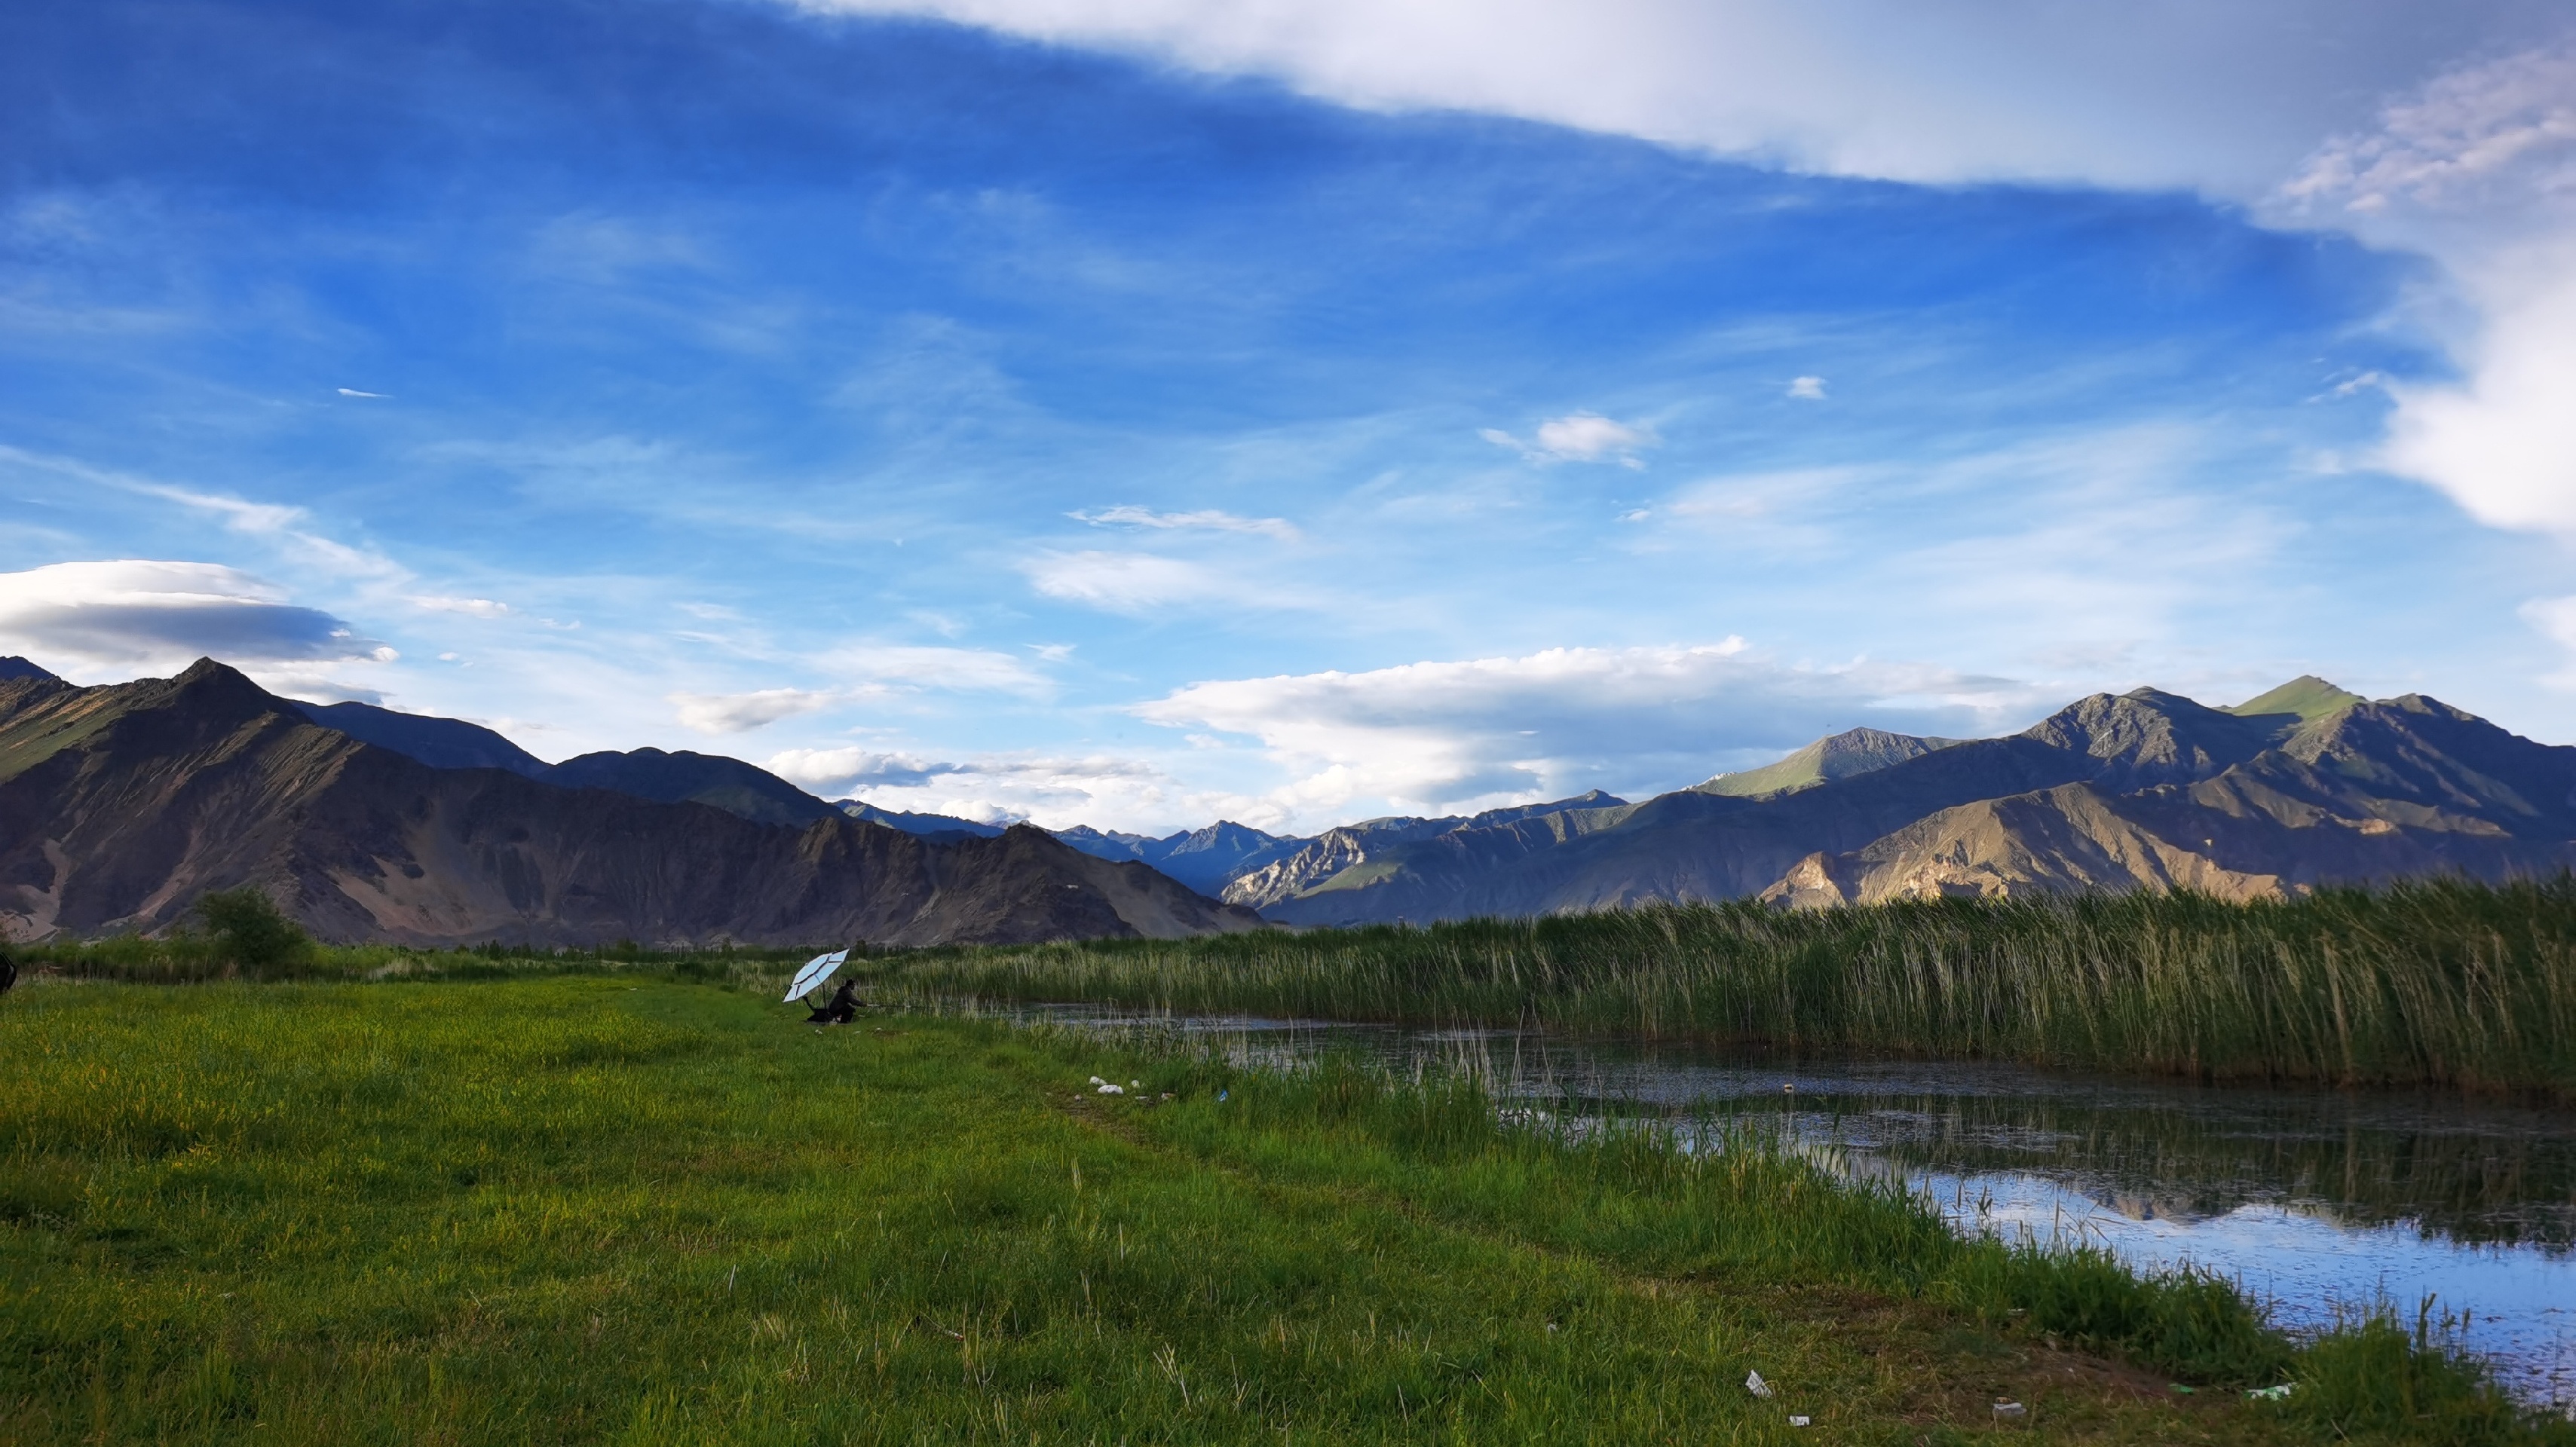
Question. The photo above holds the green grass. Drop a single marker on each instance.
(634, 1209)
(188, 956)
(2441, 984)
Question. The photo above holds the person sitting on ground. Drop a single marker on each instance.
(844, 1008)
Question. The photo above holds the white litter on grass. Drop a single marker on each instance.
(2009, 1409)
(1797, 1421)
(2280, 1393)
(1107, 1089)
(1753, 1383)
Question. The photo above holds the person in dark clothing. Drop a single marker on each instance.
(8, 972)
(844, 1008)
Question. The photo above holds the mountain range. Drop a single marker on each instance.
(2306, 785)
(119, 804)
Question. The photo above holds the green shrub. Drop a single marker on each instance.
(249, 930)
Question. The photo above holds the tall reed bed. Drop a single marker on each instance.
(2436, 983)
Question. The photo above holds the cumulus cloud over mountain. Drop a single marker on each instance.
(1451, 734)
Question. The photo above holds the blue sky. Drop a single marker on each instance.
(1132, 420)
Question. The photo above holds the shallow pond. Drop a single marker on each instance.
(2315, 1201)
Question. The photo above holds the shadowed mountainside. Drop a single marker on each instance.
(683, 777)
(669, 778)
(120, 805)
(441, 743)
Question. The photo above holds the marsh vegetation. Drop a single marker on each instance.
(2442, 983)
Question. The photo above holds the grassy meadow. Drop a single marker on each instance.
(627, 1206)
(2442, 984)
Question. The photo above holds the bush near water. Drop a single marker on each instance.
(2439, 983)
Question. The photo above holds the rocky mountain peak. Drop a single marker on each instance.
(2148, 736)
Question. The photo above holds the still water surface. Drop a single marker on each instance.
(2315, 1201)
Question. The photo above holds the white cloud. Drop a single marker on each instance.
(111, 619)
(1208, 521)
(354, 392)
(1054, 791)
(1579, 437)
(1808, 389)
(845, 770)
(880, 668)
(2555, 618)
(733, 713)
(871, 671)
(2489, 136)
(1120, 582)
(2478, 167)
(2222, 96)
(1454, 735)
(2503, 443)
(470, 607)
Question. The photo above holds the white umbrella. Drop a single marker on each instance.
(816, 974)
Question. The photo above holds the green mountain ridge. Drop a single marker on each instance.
(2308, 697)
(1838, 756)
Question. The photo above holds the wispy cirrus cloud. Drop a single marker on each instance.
(1120, 582)
(290, 526)
(1208, 520)
(867, 671)
(469, 607)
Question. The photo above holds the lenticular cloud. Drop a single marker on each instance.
(82, 618)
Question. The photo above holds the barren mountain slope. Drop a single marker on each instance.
(2146, 789)
(2371, 792)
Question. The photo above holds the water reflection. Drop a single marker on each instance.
(2313, 1200)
